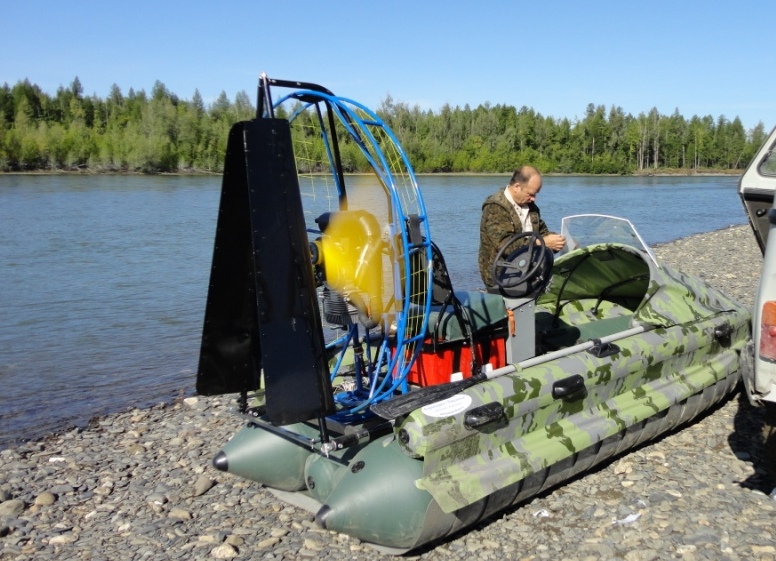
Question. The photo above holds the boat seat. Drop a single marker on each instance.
(569, 335)
(579, 321)
(483, 312)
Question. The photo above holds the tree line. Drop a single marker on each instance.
(162, 133)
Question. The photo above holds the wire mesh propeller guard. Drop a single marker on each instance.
(369, 240)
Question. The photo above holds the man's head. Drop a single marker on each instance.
(525, 185)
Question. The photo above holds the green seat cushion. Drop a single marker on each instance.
(567, 335)
(482, 310)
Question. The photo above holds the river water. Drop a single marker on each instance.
(103, 279)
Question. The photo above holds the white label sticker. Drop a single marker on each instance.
(448, 407)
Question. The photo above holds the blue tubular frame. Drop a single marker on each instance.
(391, 360)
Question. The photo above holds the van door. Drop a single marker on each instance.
(756, 188)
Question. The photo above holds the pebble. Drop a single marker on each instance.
(46, 498)
(138, 485)
(202, 485)
(224, 551)
(11, 508)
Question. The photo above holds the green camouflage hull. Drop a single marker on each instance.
(434, 475)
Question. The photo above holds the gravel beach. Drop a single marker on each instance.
(138, 485)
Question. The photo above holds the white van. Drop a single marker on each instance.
(757, 187)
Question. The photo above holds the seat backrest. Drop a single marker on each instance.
(443, 295)
(442, 286)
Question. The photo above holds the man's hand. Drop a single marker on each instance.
(554, 241)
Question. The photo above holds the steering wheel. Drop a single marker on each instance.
(516, 273)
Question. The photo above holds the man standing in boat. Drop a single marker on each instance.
(509, 211)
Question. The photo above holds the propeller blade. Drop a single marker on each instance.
(352, 252)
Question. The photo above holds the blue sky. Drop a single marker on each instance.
(700, 57)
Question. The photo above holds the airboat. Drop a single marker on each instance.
(396, 408)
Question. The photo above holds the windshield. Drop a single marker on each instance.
(583, 230)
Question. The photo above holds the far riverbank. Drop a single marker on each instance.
(205, 173)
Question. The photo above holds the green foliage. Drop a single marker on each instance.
(163, 133)
(132, 133)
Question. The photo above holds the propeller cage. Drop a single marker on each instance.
(295, 249)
